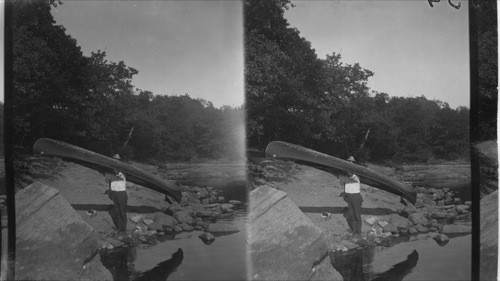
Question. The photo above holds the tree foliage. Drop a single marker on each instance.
(91, 102)
(325, 104)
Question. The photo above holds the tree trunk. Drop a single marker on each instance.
(364, 140)
(128, 138)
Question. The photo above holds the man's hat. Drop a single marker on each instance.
(351, 159)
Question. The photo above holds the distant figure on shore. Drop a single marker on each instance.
(353, 198)
(117, 185)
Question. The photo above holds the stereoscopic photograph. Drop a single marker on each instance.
(249, 140)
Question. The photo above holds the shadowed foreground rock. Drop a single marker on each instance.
(53, 241)
(489, 236)
(284, 243)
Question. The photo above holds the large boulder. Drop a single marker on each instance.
(489, 237)
(284, 243)
(53, 241)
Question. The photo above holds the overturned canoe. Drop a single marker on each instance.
(334, 165)
(50, 147)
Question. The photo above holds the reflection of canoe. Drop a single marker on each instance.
(61, 149)
(332, 164)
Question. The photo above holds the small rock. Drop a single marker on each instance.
(212, 200)
(205, 201)
(451, 215)
(147, 221)
(390, 228)
(419, 204)
(440, 214)
(115, 243)
(198, 227)
(202, 194)
(456, 200)
(385, 234)
(207, 238)
(186, 227)
(399, 221)
(377, 240)
(403, 231)
(226, 206)
(165, 220)
(439, 194)
(462, 208)
(183, 202)
(198, 221)
(468, 203)
(183, 216)
(151, 232)
(221, 199)
(440, 203)
(412, 231)
(221, 228)
(429, 201)
(174, 207)
(177, 229)
(448, 200)
(421, 229)
(235, 202)
(344, 249)
(349, 245)
(136, 218)
(410, 209)
(441, 239)
(155, 226)
(371, 220)
(418, 218)
(382, 223)
(210, 188)
(168, 229)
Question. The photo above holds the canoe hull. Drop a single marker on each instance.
(51, 147)
(335, 165)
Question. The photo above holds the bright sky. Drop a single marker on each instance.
(413, 49)
(178, 47)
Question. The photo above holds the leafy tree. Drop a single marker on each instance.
(48, 75)
(487, 42)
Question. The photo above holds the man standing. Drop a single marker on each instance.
(117, 184)
(354, 200)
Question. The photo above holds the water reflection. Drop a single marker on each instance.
(163, 269)
(120, 262)
(399, 270)
(356, 266)
(225, 258)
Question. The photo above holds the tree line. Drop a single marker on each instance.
(325, 104)
(91, 102)
(291, 95)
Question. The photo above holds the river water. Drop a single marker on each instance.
(185, 257)
(421, 259)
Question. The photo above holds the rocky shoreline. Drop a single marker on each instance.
(199, 210)
(428, 218)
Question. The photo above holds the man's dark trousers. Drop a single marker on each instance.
(354, 211)
(119, 212)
